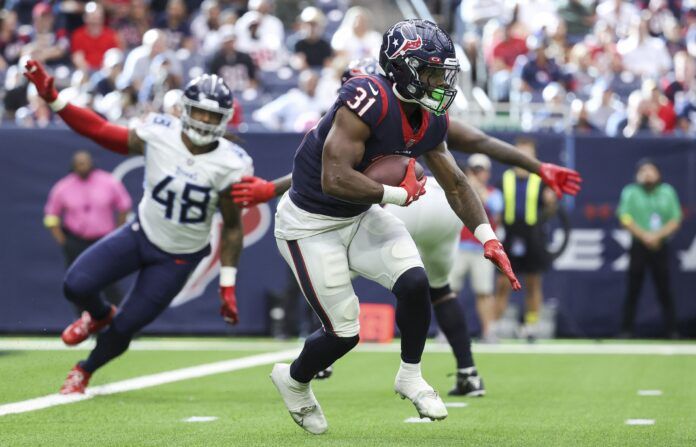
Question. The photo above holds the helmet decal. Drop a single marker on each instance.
(400, 46)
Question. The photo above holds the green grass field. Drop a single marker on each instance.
(533, 400)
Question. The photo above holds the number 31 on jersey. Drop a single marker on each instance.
(361, 94)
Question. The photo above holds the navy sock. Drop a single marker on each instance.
(450, 316)
(110, 344)
(320, 351)
(412, 312)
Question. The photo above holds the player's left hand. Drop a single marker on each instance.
(228, 310)
(252, 190)
(493, 251)
(561, 180)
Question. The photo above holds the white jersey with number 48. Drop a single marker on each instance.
(181, 190)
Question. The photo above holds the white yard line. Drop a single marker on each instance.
(55, 344)
(18, 344)
(139, 383)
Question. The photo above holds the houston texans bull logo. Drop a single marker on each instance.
(399, 45)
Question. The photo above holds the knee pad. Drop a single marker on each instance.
(413, 282)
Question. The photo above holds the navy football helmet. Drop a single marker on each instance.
(207, 92)
(360, 67)
(419, 58)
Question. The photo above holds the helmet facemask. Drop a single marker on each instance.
(199, 132)
(432, 85)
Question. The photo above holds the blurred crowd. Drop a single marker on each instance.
(126, 58)
(614, 67)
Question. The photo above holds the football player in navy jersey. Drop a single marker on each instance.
(328, 224)
(435, 228)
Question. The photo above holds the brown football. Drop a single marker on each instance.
(391, 169)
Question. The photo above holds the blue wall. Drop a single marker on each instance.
(588, 280)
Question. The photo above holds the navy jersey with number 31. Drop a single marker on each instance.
(372, 100)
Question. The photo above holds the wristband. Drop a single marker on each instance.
(485, 233)
(228, 276)
(394, 194)
(58, 104)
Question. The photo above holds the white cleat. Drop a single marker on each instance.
(299, 400)
(424, 397)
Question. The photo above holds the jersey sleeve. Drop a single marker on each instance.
(242, 165)
(151, 127)
(366, 98)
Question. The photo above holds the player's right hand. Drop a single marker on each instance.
(493, 251)
(37, 75)
(252, 190)
(414, 187)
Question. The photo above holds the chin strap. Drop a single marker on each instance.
(401, 97)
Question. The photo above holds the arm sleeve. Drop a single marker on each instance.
(366, 98)
(88, 123)
(244, 166)
(147, 129)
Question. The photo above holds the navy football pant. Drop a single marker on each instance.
(161, 276)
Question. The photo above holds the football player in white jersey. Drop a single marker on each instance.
(435, 228)
(189, 168)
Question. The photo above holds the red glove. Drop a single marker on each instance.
(560, 179)
(494, 252)
(43, 82)
(414, 187)
(228, 310)
(252, 190)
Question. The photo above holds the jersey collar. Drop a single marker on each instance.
(411, 138)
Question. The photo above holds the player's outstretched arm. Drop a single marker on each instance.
(232, 240)
(467, 205)
(83, 121)
(343, 149)
(252, 190)
(464, 138)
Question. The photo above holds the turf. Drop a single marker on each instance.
(533, 400)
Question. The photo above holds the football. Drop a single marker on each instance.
(391, 169)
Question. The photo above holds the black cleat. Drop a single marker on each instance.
(470, 385)
(325, 373)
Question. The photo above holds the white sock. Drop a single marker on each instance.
(471, 371)
(409, 370)
(297, 385)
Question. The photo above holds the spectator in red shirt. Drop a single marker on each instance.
(503, 56)
(661, 106)
(91, 41)
(506, 50)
